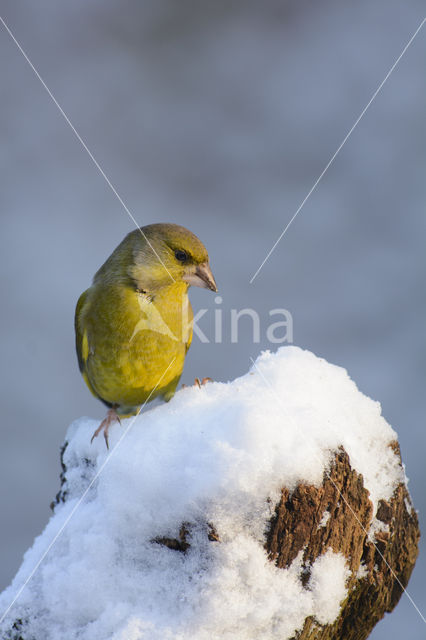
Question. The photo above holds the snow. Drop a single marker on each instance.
(210, 455)
(362, 571)
(408, 506)
(377, 526)
(327, 582)
(325, 518)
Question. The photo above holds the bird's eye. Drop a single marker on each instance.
(181, 255)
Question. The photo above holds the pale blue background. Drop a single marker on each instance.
(219, 116)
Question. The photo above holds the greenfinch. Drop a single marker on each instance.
(133, 326)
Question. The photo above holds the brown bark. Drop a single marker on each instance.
(388, 562)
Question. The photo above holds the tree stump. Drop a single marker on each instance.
(338, 515)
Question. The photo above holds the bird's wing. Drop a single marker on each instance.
(81, 341)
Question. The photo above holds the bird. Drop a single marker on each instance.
(133, 325)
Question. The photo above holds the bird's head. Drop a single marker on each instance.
(166, 253)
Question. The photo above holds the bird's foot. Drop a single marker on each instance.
(202, 382)
(110, 418)
(198, 383)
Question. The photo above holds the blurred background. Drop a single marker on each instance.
(218, 116)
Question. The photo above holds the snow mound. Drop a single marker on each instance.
(211, 455)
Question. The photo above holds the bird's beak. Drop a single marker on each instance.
(201, 276)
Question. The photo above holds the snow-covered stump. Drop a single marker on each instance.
(274, 506)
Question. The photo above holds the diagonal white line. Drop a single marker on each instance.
(83, 144)
(339, 148)
(341, 495)
(76, 506)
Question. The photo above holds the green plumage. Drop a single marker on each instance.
(134, 324)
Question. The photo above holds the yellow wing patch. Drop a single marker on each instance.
(81, 339)
(85, 347)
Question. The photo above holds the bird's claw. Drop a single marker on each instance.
(202, 383)
(110, 418)
(198, 383)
